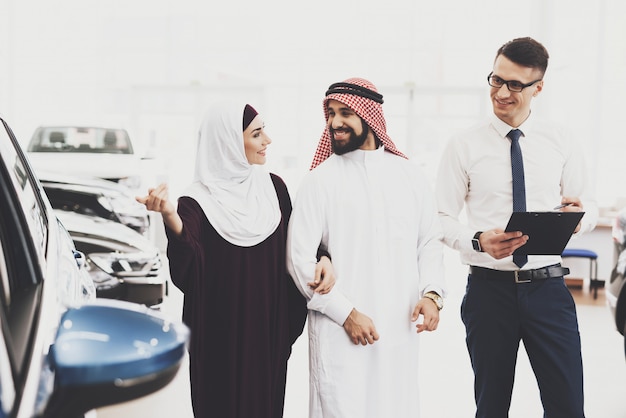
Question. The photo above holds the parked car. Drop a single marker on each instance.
(616, 288)
(123, 264)
(86, 151)
(97, 197)
(63, 354)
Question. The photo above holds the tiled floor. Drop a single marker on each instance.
(446, 376)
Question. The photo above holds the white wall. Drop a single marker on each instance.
(152, 66)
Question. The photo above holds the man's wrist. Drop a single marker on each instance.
(476, 242)
(436, 298)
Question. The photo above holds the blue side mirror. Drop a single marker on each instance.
(110, 351)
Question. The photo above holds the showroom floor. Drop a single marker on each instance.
(446, 376)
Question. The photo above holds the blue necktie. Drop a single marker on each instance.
(519, 188)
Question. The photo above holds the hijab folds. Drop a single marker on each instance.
(238, 199)
(361, 96)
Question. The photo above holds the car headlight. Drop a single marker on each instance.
(126, 265)
(139, 223)
(129, 212)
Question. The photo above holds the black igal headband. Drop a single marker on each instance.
(349, 88)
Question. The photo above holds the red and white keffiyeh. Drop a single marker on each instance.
(362, 97)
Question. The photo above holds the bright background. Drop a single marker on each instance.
(152, 67)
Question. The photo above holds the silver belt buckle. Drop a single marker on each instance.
(517, 279)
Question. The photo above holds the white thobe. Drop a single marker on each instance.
(375, 214)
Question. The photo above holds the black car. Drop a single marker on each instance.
(616, 288)
(62, 352)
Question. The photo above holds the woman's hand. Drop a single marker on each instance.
(158, 200)
(324, 276)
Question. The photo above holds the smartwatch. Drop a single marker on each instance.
(476, 242)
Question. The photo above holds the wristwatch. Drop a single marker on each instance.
(476, 242)
(435, 298)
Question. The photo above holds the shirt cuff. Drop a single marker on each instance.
(438, 290)
(334, 305)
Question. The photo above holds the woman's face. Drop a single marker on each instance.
(255, 141)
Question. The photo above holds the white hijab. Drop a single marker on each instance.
(238, 198)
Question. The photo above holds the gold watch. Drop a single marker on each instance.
(435, 298)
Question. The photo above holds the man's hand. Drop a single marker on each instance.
(324, 276)
(572, 204)
(429, 310)
(500, 244)
(360, 328)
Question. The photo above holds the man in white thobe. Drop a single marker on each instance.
(374, 213)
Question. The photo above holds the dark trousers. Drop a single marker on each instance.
(498, 314)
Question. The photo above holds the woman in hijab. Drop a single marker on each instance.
(226, 247)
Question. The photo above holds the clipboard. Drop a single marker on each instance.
(548, 232)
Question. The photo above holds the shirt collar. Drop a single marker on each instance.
(366, 156)
(503, 128)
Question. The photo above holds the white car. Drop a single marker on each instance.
(87, 151)
(97, 197)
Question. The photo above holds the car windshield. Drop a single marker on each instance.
(80, 139)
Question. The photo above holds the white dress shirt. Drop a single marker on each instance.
(475, 175)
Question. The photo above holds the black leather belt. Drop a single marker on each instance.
(520, 276)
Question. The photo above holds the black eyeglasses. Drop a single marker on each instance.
(512, 85)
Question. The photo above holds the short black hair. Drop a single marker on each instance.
(526, 52)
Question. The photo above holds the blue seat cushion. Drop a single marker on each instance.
(579, 252)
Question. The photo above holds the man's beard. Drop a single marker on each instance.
(354, 142)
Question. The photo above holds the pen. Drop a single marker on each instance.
(562, 206)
